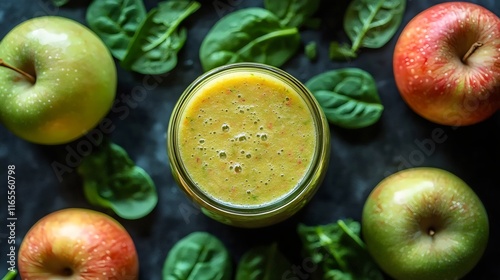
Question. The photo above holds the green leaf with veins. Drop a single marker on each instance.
(348, 96)
(198, 256)
(339, 251)
(292, 13)
(155, 45)
(115, 22)
(249, 35)
(112, 180)
(369, 24)
(262, 263)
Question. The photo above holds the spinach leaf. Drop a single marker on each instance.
(112, 180)
(341, 52)
(369, 24)
(292, 13)
(155, 45)
(339, 251)
(10, 275)
(348, 96)
(59, 3)
(262, 263)
(249, 35)
(311, 50)
(115, 22)
(198, 256)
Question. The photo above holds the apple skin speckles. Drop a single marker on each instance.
(425, 223)
(429, 67)
(49, 48)
(79, 242)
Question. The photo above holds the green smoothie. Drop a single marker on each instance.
(247, 138)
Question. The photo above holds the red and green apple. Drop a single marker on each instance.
(446, 63)
(77, 243)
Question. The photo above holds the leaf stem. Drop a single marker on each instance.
(288, 16)
(359, 39)
(283, 32)
(28, 76)
(171, 27)
(471, 50)
(328, 243)
(353, 236)
(11, 275)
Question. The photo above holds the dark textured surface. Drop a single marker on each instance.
(359, 158)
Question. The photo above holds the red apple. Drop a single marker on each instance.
(447, 63)
(78, 244)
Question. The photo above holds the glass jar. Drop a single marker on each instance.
(249, 144)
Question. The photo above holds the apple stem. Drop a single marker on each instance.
(30, 77)
(471, 50)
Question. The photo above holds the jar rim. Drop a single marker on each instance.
(314, 172)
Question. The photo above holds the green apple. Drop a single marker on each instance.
(425, 223)
(58, 81)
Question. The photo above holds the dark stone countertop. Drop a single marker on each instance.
(359, 158)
